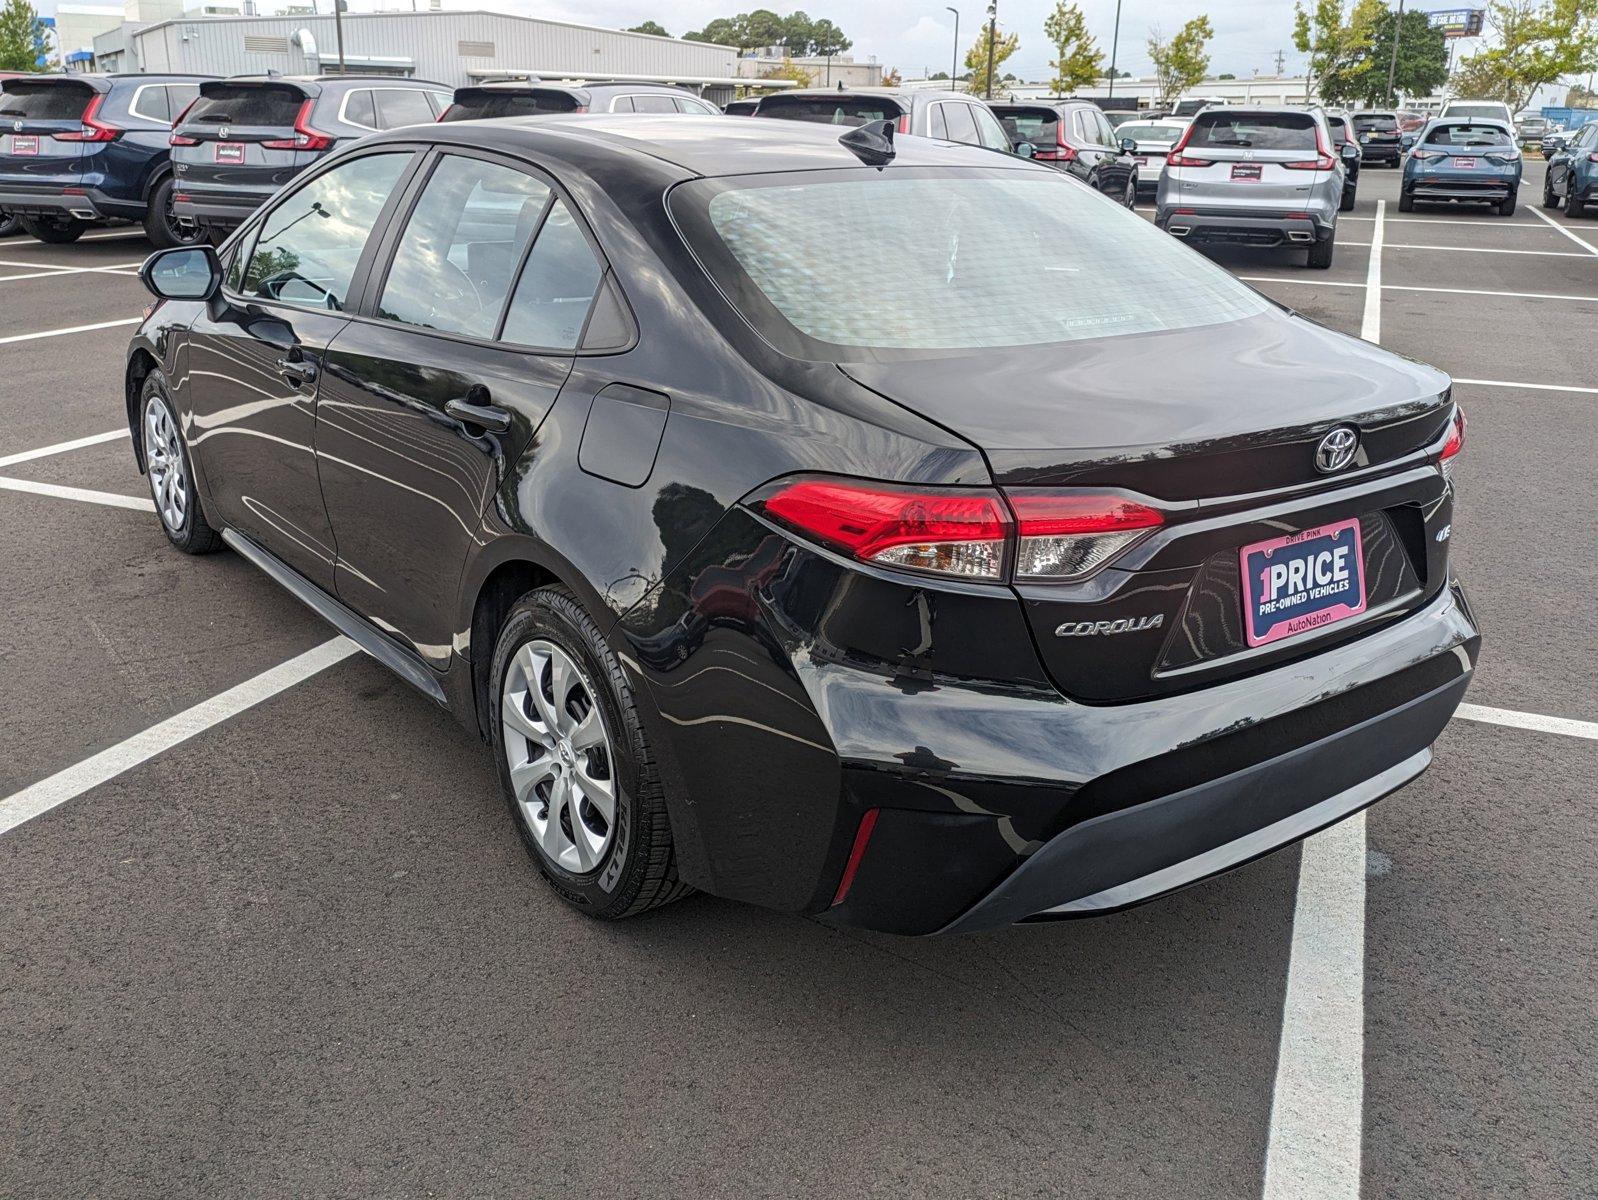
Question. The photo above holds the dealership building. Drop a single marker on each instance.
(453, 48)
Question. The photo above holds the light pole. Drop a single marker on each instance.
(954, 62)
(338, 29)
(993, 33)
(1115, 41)
(1392, 63)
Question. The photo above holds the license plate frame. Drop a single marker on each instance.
(1464, 162)
(1280, 602)
(1249, 171)
(231, 153)
(25, 145)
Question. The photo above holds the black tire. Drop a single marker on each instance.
(1406, 200)
(160, 226)
(9, 225)
(1574, 204)
(1506, 206)
(193, 534)
(1549, 199)
(638, 868)
(1320, 254)
(57, 233)
(1347, 202)
(1130, 199)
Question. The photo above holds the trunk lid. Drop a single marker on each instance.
(222, 140)
(1217, 427)
(1251, 160)
(33, 115)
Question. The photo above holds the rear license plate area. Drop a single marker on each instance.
(24, 145)
(1464, 162)
(1246, 171)
(1302, 582)
(230, 152)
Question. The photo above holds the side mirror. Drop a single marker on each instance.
(1128, 146)
(1406, 141)
(183, 273)
(1350, 150)
(1025, 150)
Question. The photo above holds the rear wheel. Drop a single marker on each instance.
(1406, 200)
(9, 225)
(1320, 254)
(1574, 204)
(575, 764)
(1549, 199)
(166, 465)
(1506, 206)
(161, 224)
(1349, 195)
(1130, 199)
(56, 232)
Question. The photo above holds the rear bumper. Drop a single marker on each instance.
(1261, 230)
(225, 209)
(1165, 793)
(92, 205)
(1425, 188)
(1380, 153)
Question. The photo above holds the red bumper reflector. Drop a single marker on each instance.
(861, 837)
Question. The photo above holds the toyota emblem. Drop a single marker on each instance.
(1336, 449)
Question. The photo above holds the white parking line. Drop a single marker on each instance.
(64, 785)
(50, 333)
(85, 495)
(1534, 721)
(1317, 1104)
(1408, 287)
(1479, 250)
(1536, 387)
(1558, 228)
(68, 269)
(94, 439)
(1450, 221)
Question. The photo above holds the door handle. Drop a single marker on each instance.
(489, 417)
(297, 371)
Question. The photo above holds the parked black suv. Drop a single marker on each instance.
(1076, 137)
(76, 150)
(948, 116)
(525, 99)
(244, 138)
(1379, 136)
(858, 526)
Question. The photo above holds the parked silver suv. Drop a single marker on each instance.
(1254, 176)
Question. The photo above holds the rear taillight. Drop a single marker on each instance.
(1177, 159)
(965, 533)
(91, 129)
(1323, 160)
(903, 125)
(959, 532)
(581, 108)
(862, 838)
(1455, 442)
(1592, 158)
(1425, 155)
(1067, 535)
(444, 116)
(179, 139)
(305, 137)
(1061, 151)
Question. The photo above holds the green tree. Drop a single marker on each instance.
(976, 60)
(723, 31)
(1421, 67)
(761, 28)
(654, 27)
(796, 33)
(1537, 42)
(1180, 63)
(826, 39)
(1077, 60)
(1339, 45)
(21, 37)
(891, 77)
(790, 70)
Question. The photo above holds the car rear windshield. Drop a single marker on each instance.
(1376, 121)
(242, 104)
(1144, 132)
(1029, 124)
(44, 101)
(1463, 133)
(477, 106)
(939, 260)
(845, 110)
(1253, 131)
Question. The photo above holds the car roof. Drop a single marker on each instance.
(517, 87)
(695, 145)
(903, 95)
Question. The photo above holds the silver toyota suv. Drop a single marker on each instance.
(1257, 177)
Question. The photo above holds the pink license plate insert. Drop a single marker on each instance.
(1306, 580)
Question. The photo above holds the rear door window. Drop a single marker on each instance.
(557, 286)
(398, 107)
(653, 104)
(311, 242)
(1238, 130)
(454, 263)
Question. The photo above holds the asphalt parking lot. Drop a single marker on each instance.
(302, 951)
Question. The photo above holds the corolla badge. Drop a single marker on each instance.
(1122, 625)
(1336, 449)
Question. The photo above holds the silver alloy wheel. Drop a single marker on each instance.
(163, 459)
(562, 763)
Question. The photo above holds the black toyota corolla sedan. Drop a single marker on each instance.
(899, 532)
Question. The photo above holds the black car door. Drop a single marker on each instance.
(462, 346)
(256, 360)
